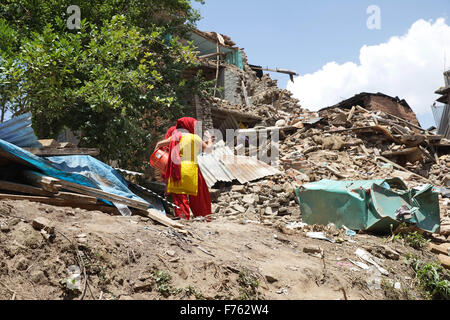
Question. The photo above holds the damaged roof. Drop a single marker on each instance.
(358, 99)
(214, 36)
(223, 165)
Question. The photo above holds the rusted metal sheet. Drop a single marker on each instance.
(212, 168)
(223, 165)
(19, 132)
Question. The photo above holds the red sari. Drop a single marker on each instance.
(200, 205)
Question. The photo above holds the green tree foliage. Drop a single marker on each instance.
(113, 80)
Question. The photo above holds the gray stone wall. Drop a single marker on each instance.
(230, 81)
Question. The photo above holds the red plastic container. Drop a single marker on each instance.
(159, 160)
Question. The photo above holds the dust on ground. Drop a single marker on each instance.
(133, 258)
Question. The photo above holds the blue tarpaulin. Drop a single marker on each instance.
(105, 177)
(82, 170)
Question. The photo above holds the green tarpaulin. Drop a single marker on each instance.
(368, 204)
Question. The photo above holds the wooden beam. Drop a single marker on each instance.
(397, 118)
(214, 54)
(62, 203)
(39, 180)
(290, 72)
(23, 188)
(349, 129)
(402, 168)
(217, 67)
(74, 197)
(46, 200)
(63, 152)
(155, 215)
(350, 115)
(48, 143)
(103, 195)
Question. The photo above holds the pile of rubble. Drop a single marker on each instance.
(272, 197)
(358, 144)
(353, 144)
(262, 97)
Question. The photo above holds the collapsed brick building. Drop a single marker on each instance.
(243, 95)
(380, 102)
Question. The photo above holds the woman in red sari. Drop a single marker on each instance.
(185, 180)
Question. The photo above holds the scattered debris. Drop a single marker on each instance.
(319, 235)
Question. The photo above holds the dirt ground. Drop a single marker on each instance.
(133, 258)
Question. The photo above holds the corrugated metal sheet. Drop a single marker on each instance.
(223, 165)
(247, 169)
(437, 114)
(444, 126)
(19, 132)
(212, 168)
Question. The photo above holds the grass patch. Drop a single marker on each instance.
(249, 285)
(412, 238)
(416, 240)
(163, 286)
(191, 291)
(433, 279)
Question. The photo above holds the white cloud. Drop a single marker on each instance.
(409, 67)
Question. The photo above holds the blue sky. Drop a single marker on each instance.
(306, 35)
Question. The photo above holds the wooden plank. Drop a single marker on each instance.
(350, 115)
(349, 129)
(62, 203)
(57, 184)
(38, 180)
(444, 260)
(403, 169)
(97, 207)
(48, 143)
(155, 215)
(63, 152)
(428, 155)
(364, 149)
(22, 188)
(439, 249)
(101, 194)
(74, 197)
(402, 152)
(40, 199)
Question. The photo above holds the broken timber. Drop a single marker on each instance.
(57, 184)
(402, 168)
(155, 215)
(49, 183)
(22, 188)
(63, 152)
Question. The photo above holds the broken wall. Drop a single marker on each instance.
(230, 81)
(389, 106)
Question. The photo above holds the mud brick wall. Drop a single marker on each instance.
(387, 105)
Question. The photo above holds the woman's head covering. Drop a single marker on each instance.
(174, 163)
(169, 132)
(187, 123)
